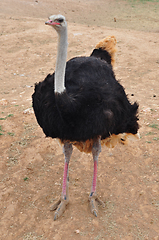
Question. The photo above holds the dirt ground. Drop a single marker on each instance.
(31, 166)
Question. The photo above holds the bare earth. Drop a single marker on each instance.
(31, 166)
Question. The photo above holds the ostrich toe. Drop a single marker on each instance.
(60, 207)
(94, 202)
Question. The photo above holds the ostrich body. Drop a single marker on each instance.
(82, 104)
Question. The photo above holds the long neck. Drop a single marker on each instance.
(61, 61)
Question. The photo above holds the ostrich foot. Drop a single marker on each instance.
(94, 202)
(60, 207)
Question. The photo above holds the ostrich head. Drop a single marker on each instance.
(58, 22)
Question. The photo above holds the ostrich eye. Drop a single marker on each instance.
(60, 20)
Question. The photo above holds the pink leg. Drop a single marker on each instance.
(96, 149)
(60, 205)
(67, 150)
(94, 183)
(65, 180)
(93, 196)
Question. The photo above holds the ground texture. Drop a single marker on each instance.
(31, 166)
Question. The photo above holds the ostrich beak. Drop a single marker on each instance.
(50, 22)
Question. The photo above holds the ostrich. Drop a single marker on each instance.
(82, 104)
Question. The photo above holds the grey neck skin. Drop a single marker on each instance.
(61, 61)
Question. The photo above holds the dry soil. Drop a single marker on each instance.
(31, 166)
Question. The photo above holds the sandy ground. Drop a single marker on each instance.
(31, 166)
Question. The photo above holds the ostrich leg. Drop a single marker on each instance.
(63, 201)
(93, 198)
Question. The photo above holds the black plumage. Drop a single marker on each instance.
(93, 104)
(102, 54)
